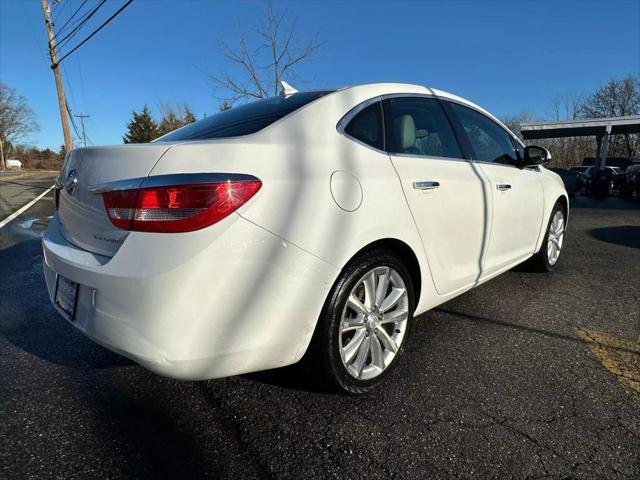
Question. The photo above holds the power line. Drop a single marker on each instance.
(71, 17)
(53, 54)
(58, 11)
(78, 20)
(96, 30)
(69, 111)
(78, 24)
(66, 77)
(33, 34)
(73, 122)
(83, 21)
(82, 116)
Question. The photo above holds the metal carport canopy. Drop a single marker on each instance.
(597, 127)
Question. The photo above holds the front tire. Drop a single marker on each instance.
(365, 322)
(547, 258)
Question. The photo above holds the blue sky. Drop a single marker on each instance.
(506, 56)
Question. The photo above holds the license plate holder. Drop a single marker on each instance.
(66, 296)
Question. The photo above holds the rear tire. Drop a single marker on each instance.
(548, 256)
(365, 323)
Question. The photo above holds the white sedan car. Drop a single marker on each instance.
(317, 222)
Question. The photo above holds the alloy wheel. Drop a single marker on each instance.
(556, 237)
(373, 323)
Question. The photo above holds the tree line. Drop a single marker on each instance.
(38, 158)
(144, 128)
(618, 97)
(273, 51)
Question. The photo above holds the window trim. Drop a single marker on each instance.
(387, 123)
(455, 120)
(346, 119)
(461, 137)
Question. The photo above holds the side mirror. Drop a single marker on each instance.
(534, 155)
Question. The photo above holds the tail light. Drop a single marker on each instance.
(177, 208)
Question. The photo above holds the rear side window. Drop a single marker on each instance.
(490, 142)
(366, 126)
(245, 119)
(418, 126)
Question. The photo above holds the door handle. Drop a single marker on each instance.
(503, 187)
(426, 185)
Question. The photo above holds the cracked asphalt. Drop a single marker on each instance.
(528, 376)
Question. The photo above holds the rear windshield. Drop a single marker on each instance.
(245, 119)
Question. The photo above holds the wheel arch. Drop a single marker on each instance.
(564, 202)
(404, 252)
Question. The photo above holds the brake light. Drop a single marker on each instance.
(177, 208)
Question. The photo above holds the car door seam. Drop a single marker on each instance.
(415, 223)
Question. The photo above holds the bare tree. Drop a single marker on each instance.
(617, 98)
(17, 120)
(279, 52)
(565, 152)
(514, 122)
(566, 106)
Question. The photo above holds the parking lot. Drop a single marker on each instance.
(530, 375)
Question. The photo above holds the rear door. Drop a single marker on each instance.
(443, 190)
(517, 193)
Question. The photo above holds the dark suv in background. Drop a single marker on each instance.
(630, 186)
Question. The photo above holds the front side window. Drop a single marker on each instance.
(489, 141)
(366, 126)
(418, 126)
(245, 119)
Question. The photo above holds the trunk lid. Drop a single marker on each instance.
(81, 213)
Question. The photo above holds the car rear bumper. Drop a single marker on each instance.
(243, 300)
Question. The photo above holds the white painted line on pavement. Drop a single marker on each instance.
(25, 208)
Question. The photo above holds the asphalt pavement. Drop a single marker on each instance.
(18, 188)
(528, 376)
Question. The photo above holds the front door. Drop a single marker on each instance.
(517, 196)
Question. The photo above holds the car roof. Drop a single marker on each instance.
(400, 88)
(375, 89)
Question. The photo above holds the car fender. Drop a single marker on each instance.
(553, 190)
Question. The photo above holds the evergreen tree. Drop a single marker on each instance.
(142, 128)
(62, 152)
(169, 123)
(175, 118)
(188, 116)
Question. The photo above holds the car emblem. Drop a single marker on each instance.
(72, 181)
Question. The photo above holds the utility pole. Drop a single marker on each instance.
(68, 144)
(3, 164)
(84, 135)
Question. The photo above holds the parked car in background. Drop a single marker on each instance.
(580, 171)
(630, 186)
(612, 176)
(570, 180)
(620, 162)
(321, 221)
(617, 177)
(13, 164)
